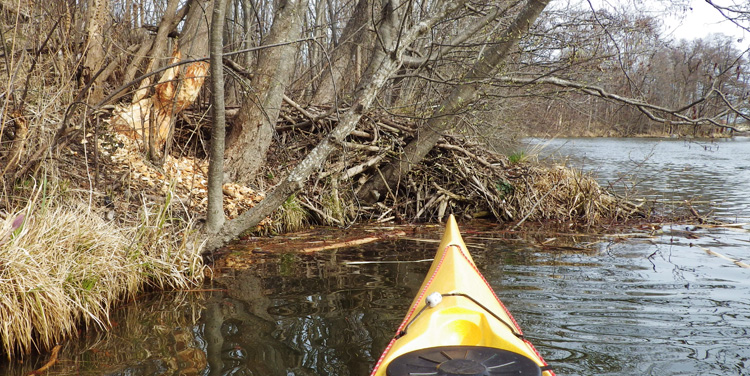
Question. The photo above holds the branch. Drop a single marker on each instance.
(725, 9)
(416, 62)
(188, 61)
(646, 108)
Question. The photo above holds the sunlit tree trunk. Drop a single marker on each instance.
(97, 16)
(215, 210)
(149, 117)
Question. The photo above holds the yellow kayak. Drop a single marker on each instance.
(457, 326)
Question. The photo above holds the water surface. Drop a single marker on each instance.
(711, 173)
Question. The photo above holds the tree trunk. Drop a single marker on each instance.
(156, 48)
(460, 97)
(382, 66)
(215, 209)
(96, 21)
(343, 62)
(151, 118)
(195, 45)
(195, 32)
(253, 128)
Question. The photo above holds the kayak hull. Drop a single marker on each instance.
(467, 316)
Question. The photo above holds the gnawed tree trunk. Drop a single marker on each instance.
(253, 127)
(460, 97)
(13, 158)
(356, 38)
(150, 117)
(384, 63)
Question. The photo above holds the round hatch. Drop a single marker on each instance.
(462, 361)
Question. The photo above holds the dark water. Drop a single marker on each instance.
(655, 303)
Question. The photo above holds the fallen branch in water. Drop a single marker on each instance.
(719, 255)
(386, 262)
(355, 242)
(50, 363)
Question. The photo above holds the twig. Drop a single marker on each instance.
(356, 146)
(387, 186)
(468, 153)
(535, 205)
(426, 206)
(312, 118)
(312, 207)
(358, 169)
(300, 109)
(701, 219)
(387, 127)
(393, 124)
(449, 193)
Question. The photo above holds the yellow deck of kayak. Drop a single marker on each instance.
(457, 320)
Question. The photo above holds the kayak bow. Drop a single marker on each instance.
(457, 326)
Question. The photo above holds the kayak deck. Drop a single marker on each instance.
(456, 325)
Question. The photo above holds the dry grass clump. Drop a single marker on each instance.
(62, 265)
(563, 193)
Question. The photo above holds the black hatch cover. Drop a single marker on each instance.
(462, 361)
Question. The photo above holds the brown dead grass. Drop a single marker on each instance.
(65, 265)
(564, 194)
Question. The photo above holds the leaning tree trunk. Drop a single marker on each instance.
(384, 63)
(253, 128)
(460, 97)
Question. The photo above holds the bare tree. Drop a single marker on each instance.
(215, 209)
(347, 55)
(97, 19)
(462, 96)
